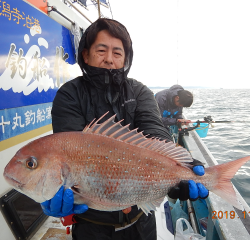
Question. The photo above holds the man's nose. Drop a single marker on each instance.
(109, 57)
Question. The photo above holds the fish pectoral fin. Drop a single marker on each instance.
(147, 207)
(75, 188)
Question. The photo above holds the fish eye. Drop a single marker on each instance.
(31, 163)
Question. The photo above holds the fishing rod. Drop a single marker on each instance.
(184, 130)
(209, 120)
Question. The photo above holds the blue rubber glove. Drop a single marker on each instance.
(62, 204)
(199, 170)
(189, 189)
(197, 190)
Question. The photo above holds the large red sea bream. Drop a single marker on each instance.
(111, 168)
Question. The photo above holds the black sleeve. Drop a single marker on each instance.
(169, 121)
(147, 114)
(66, 110)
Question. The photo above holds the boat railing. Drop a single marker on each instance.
(224, 221)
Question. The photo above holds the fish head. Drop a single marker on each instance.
(35, 171)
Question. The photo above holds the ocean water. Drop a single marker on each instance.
(226, 141)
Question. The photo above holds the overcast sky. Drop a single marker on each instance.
(192, 42)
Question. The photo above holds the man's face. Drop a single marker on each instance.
(105, 52)
(177, 102)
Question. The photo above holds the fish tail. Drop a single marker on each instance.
(225, 173)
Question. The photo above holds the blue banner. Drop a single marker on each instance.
(36, 56)
(16, 121)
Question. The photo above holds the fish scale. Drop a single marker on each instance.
(111, 168)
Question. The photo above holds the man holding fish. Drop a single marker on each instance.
(105, 57)
(106, 176)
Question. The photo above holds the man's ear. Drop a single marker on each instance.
(85, 55)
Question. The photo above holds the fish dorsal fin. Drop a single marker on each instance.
(117, 131)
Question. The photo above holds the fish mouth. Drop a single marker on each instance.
(12, 181)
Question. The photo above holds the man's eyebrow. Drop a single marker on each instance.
(101, 45)
(118, 48)
(105, 46)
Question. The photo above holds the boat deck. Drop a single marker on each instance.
(52, 229)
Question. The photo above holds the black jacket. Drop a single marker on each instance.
(99, 90)
(169, 111)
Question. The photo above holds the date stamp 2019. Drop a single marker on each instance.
(226, 214)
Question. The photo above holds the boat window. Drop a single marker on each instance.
(23, 215)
